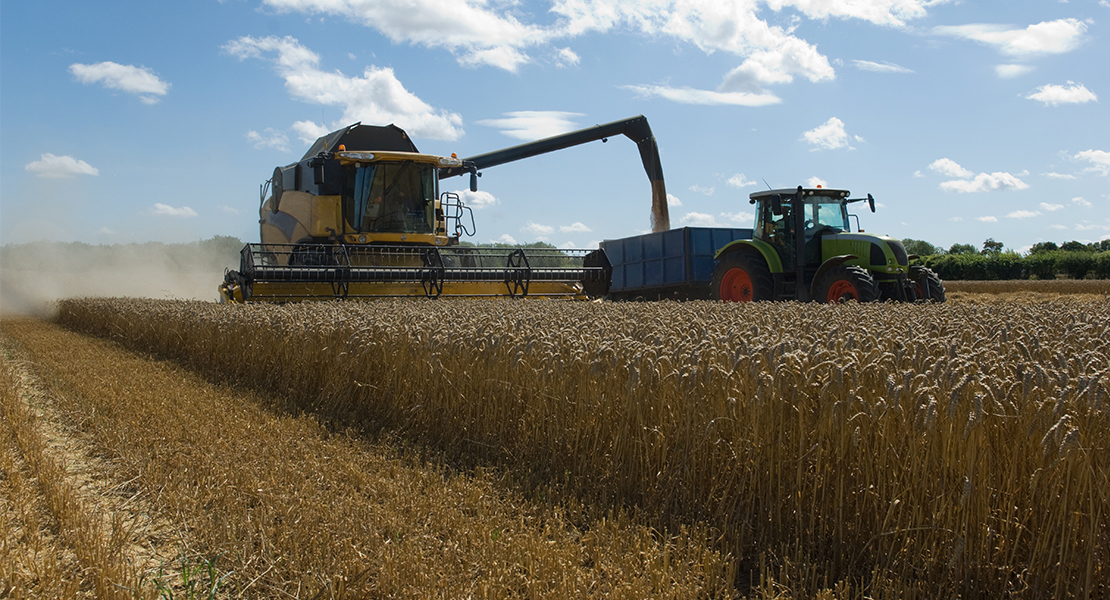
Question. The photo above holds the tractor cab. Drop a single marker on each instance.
(803, 248)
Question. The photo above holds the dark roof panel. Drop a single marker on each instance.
(364, 137)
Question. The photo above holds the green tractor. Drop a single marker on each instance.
(803, 248)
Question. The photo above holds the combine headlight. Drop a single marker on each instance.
(450, 162)
(357, 155)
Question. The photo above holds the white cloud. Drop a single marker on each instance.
(309, 131)
(164, 210)
(1055, 95)
(740, 181)
(229, 210)
(576, 227)
(127, 78)
(816, 182)
(1051, 207)
(918, 174)
(565, 57)
(950, 168)
(1061, 227)
(537, 229)
(568, 245)
(1046, 37)
(505, 239)
(470, 30)
(1011, 71)
(106, 231)
(696, 219)
(741, 218)
(273, 139)
(1059, 176)
(687, 95)
(377, 97)
(955, 219)
(708, 191)
(880, 67)
(60, 167)
(1080, 201)
(1088, 226)
(985, 182)
(829, 136)
(673, 200)
(477, 200)
(1099, 159)
(1024, 214)
(987, 219)
(531, 125)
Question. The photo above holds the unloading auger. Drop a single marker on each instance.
(361, 215)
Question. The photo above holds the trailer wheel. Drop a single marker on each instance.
(924, 275)
(742, 277)
(846, 283)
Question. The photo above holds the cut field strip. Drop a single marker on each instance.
(280, 506)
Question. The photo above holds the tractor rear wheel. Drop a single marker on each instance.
(742, 277)
(845, 283)
(924, 275)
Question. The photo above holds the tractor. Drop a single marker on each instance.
(803, 248)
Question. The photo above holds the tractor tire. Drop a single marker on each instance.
(742, 277)
(920, 275)
(846, 283)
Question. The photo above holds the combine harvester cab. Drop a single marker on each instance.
(361, 215)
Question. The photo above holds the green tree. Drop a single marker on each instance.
(1074, 246)
(1043, 247)
(962, 249)
(991, 247)
(920, 247)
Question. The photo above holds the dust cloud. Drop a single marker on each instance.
(34, 276)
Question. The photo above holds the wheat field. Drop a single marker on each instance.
(867, 450)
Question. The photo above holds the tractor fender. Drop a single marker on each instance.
(759, 246)
(831, 263)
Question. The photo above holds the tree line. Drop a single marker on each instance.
(1045, 260)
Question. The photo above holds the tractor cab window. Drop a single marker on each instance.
(825, 212)
(390, 197)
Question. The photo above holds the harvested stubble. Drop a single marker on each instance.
(283, 507)
(901, 450)
(54, 544)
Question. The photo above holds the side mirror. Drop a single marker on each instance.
(318, 169)
(474, 181)
(776, 205)
(871, 202)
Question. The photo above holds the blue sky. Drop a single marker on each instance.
(136, 121)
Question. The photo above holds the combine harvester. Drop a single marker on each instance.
(361, 216)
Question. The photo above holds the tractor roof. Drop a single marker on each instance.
(830, 192)
(364, 137)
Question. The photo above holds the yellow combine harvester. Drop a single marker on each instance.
(361, 215)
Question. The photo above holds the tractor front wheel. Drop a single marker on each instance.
(847, 283)
(925, 277)
(742, 277)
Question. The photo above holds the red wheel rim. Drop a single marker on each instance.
(842, 291)
(736, 286)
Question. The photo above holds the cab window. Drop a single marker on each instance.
(390, 197)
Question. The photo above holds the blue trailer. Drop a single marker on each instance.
(676, 264)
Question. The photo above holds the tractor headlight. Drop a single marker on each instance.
(450, 162)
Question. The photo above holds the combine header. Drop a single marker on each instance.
(361, 215)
